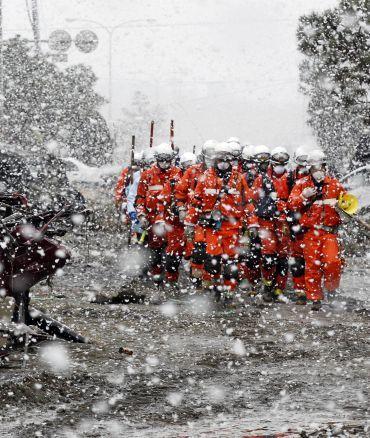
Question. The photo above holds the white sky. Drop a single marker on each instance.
(219, 68)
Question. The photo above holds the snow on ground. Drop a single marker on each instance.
(254, 370)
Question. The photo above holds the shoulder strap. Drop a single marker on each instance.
(267, 184)
(290, 180)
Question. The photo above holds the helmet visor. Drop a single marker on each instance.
(318, 166)
(236, 153)
(262, 158)
(163, 157)
(224, 156)
(301, 160)
(280, 158)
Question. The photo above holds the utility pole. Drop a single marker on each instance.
(1, 63)
(110, 32)
(36, 25)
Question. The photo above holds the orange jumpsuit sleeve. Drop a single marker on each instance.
(256, 188)
(250, 219)
(196, 203)
(182, 189)
(121, 185)
(142, 191)
(296, 201)
(164, 199)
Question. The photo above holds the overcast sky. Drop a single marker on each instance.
(219, 68)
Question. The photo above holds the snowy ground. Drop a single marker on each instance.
(196, 369)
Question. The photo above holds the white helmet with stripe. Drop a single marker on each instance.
(187, 159)
(248, 152)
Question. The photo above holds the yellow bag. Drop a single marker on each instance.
(348, 203)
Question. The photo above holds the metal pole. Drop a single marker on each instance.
(151, 134)
(1, 63)
(35, 25)
(172, 134)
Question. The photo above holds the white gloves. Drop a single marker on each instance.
(182, 215)
(189, 232)
(143, 221)
(308, 192)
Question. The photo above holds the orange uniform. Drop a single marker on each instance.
(175, 241)
(249, 267)
(151, 184)
(271, 193)
(320, 220)
(297, 265)
(219, 206)
(184, 192)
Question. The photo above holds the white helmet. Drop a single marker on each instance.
(316, 157)
(223, 150)
(148, 156)
(279, 155)
(300, 155)
(261, 153)
(233, 140)
(208, 148)
(248, 152)
(163, 150)
(138, 156)
(236, 148)
(187, 159)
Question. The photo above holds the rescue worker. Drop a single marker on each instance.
(218, 206)
(315, 198)
(168, 219)
(296, 261)
(249, 167)
(236, 151)
(147, 157)
(250, 256)
(271, 193)
(124, 180)
(151, 184)
(184, 192)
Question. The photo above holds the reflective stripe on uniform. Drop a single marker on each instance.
(330, 201)
(211, 191)
(155, 188)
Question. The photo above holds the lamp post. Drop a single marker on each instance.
(1, 62)
(110, 31)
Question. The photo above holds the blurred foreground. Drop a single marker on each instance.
(196, 369)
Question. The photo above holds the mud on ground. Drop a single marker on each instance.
(196, 369)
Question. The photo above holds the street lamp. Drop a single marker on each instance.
(110, 31)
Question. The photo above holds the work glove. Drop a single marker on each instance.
(159, 228)
(144, 223)
(189, 232)
(135, 227)
(133, 216)
(285, 230)
(308, 192)
(182, 215)
(253, 232)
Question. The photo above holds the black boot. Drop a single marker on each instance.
(268, 292)
(301, 299)
(316, 305)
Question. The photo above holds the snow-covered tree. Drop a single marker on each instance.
(40, 102)
(335, 75)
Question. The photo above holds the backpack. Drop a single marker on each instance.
(266, 207)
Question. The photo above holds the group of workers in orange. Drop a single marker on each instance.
(242, 217)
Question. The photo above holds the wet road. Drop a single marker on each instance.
(197, 369)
